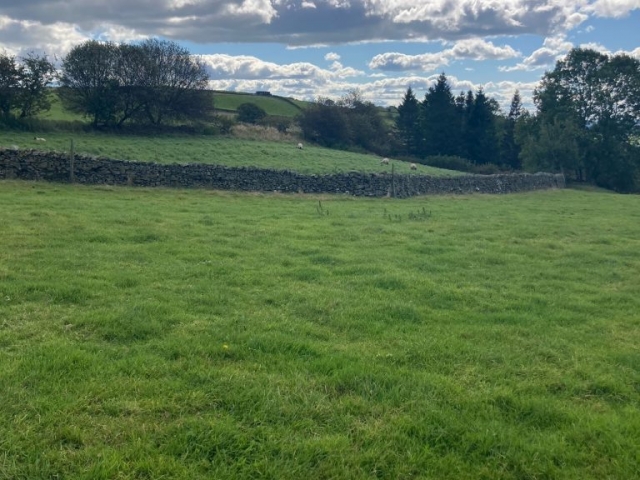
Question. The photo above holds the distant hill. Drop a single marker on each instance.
(272, 104)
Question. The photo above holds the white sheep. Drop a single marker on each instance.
(39, 139)
(413, 166)
(384, 161)
(300, 146)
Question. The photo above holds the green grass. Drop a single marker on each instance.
(273, 105)
(155, 333)
(215, 150)
(58, 113)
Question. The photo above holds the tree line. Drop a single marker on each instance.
(152, 82)
(586, 124)
(586, 121)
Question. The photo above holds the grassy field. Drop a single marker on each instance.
(58, 113)
(272, 105)
(216, 150)
(154, 333)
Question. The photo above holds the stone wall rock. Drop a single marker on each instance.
(55, 167)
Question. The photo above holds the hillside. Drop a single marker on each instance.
(273, 105)
(235, 152)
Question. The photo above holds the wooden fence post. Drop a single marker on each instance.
(72, 173)
(393, 181)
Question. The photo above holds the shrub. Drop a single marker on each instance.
(223, 124)
(450, 162)
(250, 113)
(486, 169)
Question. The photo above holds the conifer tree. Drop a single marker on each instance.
(439, 123)
(510, 150)
(481, 135)
(408, 123)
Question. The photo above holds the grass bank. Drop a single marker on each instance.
(272, 105)
(152, 333)
(214, 150)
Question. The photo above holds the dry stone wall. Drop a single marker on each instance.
(56, 167)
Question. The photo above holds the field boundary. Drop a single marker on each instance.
(56, 167)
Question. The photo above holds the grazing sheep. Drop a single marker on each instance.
(39, 139)
(300, 146)
(384, 161)
(413, 166)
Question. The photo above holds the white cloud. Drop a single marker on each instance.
(613, 8)
(470, 49)
(259, 9)
(249, 68)
(244, 67)
(400, 61)
(635, 53)
(553, 48)
(478, 49)
(18, 37)
(118, 34)
(312, 22)
(503, 92)
(332, 57)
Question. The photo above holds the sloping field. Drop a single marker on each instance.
(152, 333)
(228, 101)
(273, 105)
(214, 150)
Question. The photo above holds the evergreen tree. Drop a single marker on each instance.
(440, 123)
(481, 136)
(408, 123)
(510, 150)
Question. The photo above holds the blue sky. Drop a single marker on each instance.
(311, 48)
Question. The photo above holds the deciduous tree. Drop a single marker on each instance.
(600, 95)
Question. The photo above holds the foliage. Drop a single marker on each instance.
(24, 85)
(325, 123)
(551, 145)
(159, 333)
(88, 84)
(408, 118)
(156, 81)
(480, 135)
(592, 101)
(349, 122)
(467, 126)
(450, 162)
(175, 82)
(9, 84)
(250, 113)
(509, 149)
(439, 124)
(223, 123)
(366, 127)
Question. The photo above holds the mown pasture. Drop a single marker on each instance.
(214, 150)
(157, 333)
